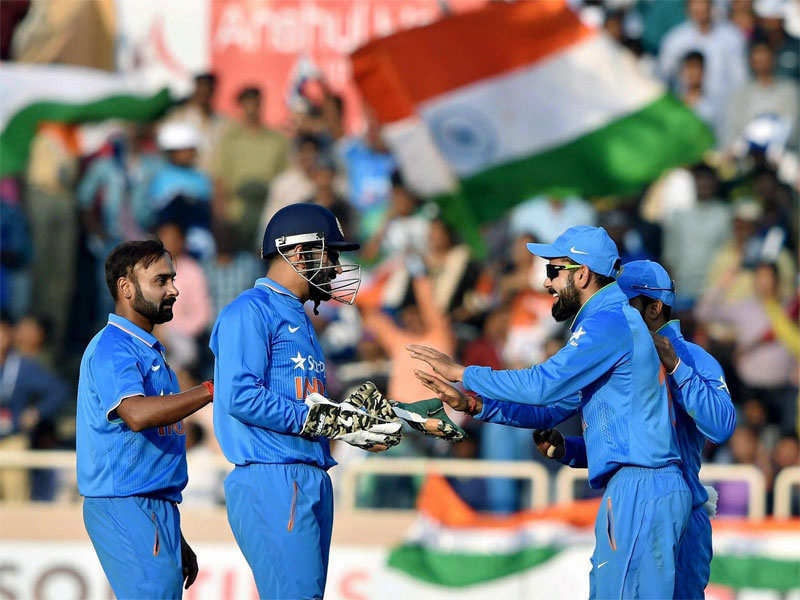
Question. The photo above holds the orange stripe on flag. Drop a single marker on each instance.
(397, 72)
(440, 502)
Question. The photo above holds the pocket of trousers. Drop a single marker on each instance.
(610, 525)
(156, 543)
(290, 525)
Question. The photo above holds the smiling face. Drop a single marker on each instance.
(562, 287)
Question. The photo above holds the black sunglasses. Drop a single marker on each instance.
(552, 270)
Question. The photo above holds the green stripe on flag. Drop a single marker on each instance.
(755, 572)
(619, 158)
(16, 137)
(458, 570)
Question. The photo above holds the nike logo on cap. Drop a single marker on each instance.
(577, 251)
(293, 329)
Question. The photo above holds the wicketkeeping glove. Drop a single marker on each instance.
(347, 423)
(368, 398)
(556, 448)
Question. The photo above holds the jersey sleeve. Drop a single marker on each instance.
(241, 344)
(592, 351)
(575, 452)
(524, 416)
(117, 376)
(705, 396)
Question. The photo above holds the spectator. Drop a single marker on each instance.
(31, 337)
(15, 250)
(325, 193)
(764, 365)
(771, 24)
(230, 272)
(192, 311)
(205, 479)
(691, 237)
(198, 111)
(420, 323)
(450, 267)
(369, 167)
(690, 87)
(744, 249)
(404, 230)
(547, 216)
(294, 184)
(628, 239)
(764, 94)
(247, 159)
(743, 448)
(180, 193)
(721, 43)
(52, 170)
(28, 395)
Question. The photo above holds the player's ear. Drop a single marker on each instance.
(124, 288)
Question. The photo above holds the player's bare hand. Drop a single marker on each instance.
(666, 353)
(448, 394)
(550, 442)
(438, 361)
(189, 561)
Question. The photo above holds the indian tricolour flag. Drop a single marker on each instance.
(33, 93)
(455, 552)
(520, 98)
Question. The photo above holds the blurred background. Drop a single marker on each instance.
(262, 110)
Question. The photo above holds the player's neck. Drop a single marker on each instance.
(127, 312)
(290, 280)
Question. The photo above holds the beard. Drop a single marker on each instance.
(155, 313)
(568, 303)
(319, 289)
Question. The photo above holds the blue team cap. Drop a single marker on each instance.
(590, 246)
(647, 278)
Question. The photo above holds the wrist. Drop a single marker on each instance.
(209, 385)
(675, 368)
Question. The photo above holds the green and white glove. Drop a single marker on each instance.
(427, 416)
(348, 423)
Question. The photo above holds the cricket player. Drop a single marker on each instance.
(131, 451)
(271, 416)
(703, 410)
(608, 370)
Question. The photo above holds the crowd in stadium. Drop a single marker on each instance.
(206, 184)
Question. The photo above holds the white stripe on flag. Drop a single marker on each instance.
(532, 109)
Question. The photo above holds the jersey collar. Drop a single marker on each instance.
(267, 283)
(671, 329)
(134, 330)
(602, 298)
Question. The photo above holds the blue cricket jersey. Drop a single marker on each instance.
(268, 360)
(121, 361)
(610, 371)
(703, 406)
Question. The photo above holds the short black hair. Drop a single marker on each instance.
(126, 256)
(665, 310)
(695, 55)
(210, 78)
(250, 91)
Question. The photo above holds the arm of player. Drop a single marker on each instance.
(524, 416)
(591, 352)
(570, 451)
(144, 412)
(239, 342)
(574, 452)
(121, 383)
(705, 397)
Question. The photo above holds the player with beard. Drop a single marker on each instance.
(270, 414)
(131, 450)
(610, 373)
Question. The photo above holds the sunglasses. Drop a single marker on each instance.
(552, 270)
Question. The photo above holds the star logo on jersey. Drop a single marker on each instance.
(299, 361)
(724, 385)
(573, 340)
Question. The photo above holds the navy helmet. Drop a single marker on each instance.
(304, 224)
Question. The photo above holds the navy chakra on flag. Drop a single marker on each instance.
(466, 138)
